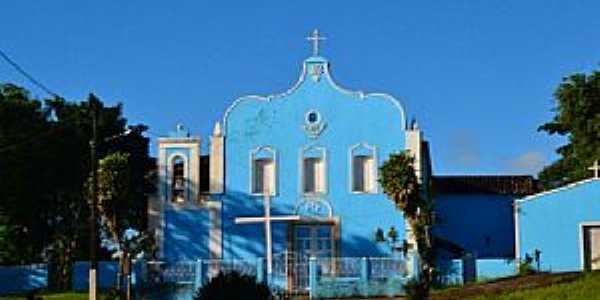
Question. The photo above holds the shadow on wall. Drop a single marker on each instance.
(482, 224)
(187, 227)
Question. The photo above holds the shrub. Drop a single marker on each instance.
(525, 266)
(112, 294)
(415, 290)
(233, 286)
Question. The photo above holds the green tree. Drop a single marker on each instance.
(44, 164)
(578, 119)
(118, 211)
(400, 183)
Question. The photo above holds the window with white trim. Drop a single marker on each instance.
(313, 171)
(263, 174)
(363, 169)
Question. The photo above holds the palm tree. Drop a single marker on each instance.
(400, 183)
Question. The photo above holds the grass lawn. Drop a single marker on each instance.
(51, 296)
(566, 286)
(585, 288)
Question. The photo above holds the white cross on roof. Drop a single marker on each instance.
(596, 168)
(315, 38)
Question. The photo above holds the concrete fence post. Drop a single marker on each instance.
(260, 271)
(414, 264)
(364, 276)
(312, 278)
(198, 275)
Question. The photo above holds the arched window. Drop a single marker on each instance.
(313, 171)
(263, 174)
(363, 169)
(178, 182)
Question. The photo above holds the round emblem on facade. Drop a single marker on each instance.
(313, 124)
(313, 117)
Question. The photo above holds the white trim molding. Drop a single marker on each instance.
(374, 171)
(186, 176)
(313, 204)
(323, 153)
(215, 234)
(359, 95)
(556, 190)
(517, 234)
(582, 226)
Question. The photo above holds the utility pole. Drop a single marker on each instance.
(93, 289)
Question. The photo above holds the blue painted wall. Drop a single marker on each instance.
(483, 224)
(186, 234)
(278, 122)
(19, 279)
(450, 271)
(551, 223)
(107, 275)
(495, 268)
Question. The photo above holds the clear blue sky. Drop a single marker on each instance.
(478, 75)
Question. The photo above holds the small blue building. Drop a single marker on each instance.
(474, 224)
(562, 226)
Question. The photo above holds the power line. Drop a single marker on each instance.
(26, 75)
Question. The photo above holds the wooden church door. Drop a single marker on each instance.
(309, 240)
(313, 240)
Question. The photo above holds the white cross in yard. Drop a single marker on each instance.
(267, 219)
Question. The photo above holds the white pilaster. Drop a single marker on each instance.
(215, 234)
(217, 161)
(414, 142)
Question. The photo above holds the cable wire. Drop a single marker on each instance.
(27, 75)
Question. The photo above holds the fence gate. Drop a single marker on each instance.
(290, 273)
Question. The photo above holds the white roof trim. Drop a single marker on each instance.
(361, 95)
(556, 190)
(364, 96)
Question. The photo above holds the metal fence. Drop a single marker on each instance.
(357, 276)
(293, 275)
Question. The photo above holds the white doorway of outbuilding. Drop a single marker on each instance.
(590, 245)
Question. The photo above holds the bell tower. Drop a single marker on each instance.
(179, 164)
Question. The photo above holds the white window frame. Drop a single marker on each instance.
(301, 178)
(374, 172)
(582, 226)
(253, 156)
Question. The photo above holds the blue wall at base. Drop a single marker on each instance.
(107, 275)
(19, 279)
(495, 268)
(450, 272)
(186, 234)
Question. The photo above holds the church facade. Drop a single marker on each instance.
(294, 172)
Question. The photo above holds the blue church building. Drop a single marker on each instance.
(294, 174)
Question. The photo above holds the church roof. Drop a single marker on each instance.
(487, 184)
(560, 189)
